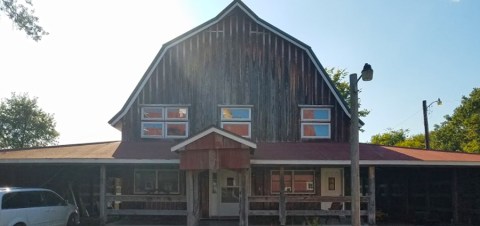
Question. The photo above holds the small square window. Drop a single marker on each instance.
(152, 129)
(316, 130)
(152, 113)
(177, 113)
(239, 128)
(176, 129)
(236, 114)
(315, 114)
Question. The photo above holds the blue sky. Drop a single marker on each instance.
(97, 51)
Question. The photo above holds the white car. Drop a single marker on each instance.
(35, 207)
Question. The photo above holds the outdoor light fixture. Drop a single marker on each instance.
(367, 75)
(425, 120)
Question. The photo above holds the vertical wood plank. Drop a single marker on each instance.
(282, 203)
(243, 213)
(371, 196)
(455, 197)
(102, 206)
(191, 218)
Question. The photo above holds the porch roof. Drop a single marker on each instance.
(116, 152)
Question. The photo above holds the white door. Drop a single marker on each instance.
(332, 184)
(227, 197)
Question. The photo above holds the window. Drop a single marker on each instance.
(315, 122)
(236, 120)
(150, 181)
(164, 122)
(296, 181)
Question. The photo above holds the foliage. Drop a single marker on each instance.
(461, 131)
(338, 77)
(415, 141)
(23, 17)
(390, 138)
(23, 124)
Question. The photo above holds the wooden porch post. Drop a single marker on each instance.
(192, 198)
(371, 196)
(102, 206)
(282, 201)
(455, 196)
(243, 198)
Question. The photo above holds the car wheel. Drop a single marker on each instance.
(71, 220)
(19, 224)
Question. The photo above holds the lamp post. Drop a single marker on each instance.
(367, 75)
(425, 120)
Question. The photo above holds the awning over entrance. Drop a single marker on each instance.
(215, 148)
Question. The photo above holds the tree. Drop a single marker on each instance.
(343, 87)
(399, 138)
(23, 124)
(461, 131)
(23, 17)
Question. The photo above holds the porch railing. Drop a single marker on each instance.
(146, 199)
(305, 199)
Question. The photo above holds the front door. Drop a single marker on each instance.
(332, 184)
(224, 197)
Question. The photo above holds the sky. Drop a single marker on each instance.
(97, 51)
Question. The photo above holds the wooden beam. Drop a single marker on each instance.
(102, 204)
(305, 198)
(145, 198)
(243, 213)
(146, 212)
(282, 206)
(371, 196)
(192, 200)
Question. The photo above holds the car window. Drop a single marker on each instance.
(52, 199)
(34, 199)
(14, 200)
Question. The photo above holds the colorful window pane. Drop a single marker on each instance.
(152, 129)
(239, 128)
(316, 114)
(235, 114)
(177, 113)
(176, 129)
(152, 113)
(316, 130)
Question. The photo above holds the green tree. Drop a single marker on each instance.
(415, 141)
(23, 124)
(390, 138)
(23, 17)
(338, 77)
(461, 131)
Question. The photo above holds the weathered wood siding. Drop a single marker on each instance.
(238, 62)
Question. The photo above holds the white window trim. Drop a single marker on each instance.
(152, 119)
(176, 122)
(317, 120)
(317, 123)
(240, 122)
(156, 181)
(153, 122)
(292, 191)
(236, 119)
(164, 120)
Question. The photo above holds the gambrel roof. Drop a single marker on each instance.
(236, 4)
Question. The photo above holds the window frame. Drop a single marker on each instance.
(314, 124)
(320, 122)
(240, 121)
(155, 188)
(164, 121)
(292, 187)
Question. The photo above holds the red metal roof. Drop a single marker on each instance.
(266, 153)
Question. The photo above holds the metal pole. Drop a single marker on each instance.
(425, 122)
(354, 156)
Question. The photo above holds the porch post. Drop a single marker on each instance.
(371, 196)
(282, 203)
(455, 196)
(102, 206)
(192, 197)
(243, 198)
